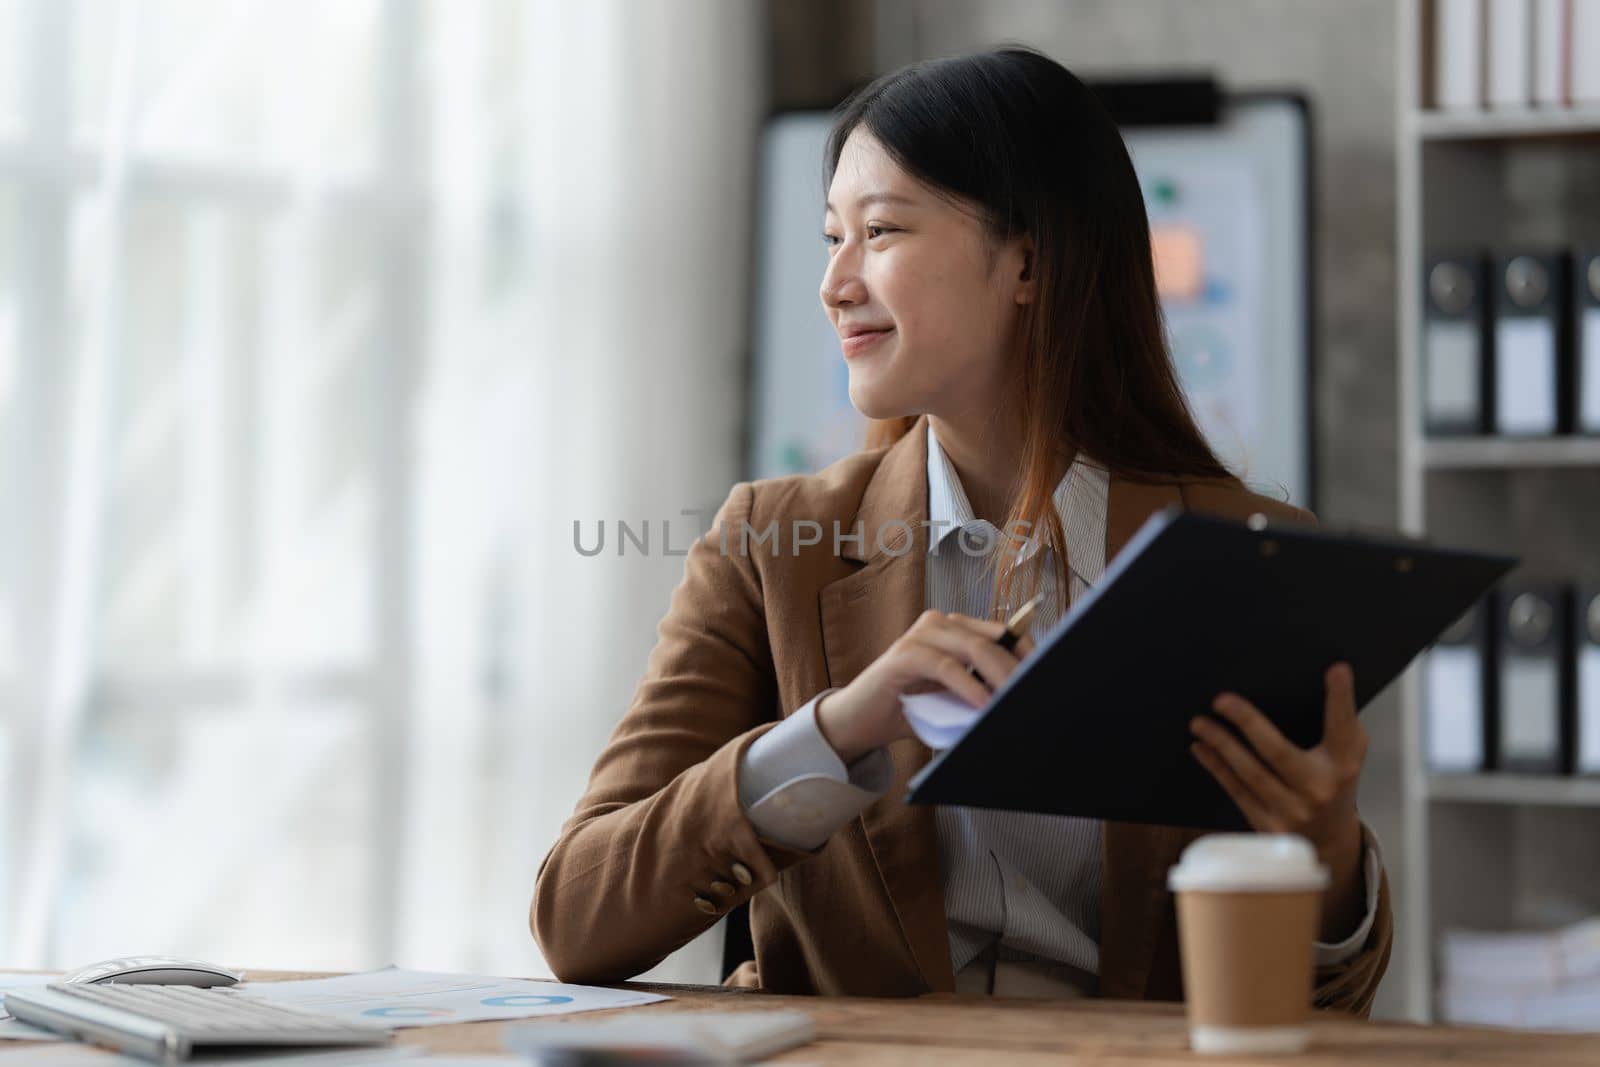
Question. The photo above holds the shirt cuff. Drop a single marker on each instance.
(1372, 869)
(796, 790)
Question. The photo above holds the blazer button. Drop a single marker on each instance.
(722, 889)
(742, 873)
(705, 905)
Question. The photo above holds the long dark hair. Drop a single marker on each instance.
(1016, 137)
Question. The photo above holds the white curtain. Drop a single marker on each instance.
(607, 385)
(314, 672)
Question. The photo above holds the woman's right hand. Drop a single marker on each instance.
(934, 653)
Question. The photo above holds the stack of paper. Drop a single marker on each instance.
(1539, 980)
(939, 718)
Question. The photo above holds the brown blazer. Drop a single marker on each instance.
(750, 637)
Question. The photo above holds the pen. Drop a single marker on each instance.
(1016, 627)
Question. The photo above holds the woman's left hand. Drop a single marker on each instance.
(1282, 788)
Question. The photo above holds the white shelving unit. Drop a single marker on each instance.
(1468, 453)
(1499, 124)
(1481, 850)
(1527, 789)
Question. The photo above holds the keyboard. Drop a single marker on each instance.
(167, 1023)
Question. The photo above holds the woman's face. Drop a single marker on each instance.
(938, 300)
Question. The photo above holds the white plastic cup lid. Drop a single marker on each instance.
(1260, 863)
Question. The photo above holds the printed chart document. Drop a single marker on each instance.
(393, 997)
(11, 1029)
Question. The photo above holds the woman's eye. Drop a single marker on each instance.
(831, 239)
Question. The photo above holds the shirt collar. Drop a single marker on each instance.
(1080, 500)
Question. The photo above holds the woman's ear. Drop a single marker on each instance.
(1028, 278)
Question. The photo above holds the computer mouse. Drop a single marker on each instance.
(155, 970)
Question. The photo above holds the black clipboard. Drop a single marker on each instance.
(1096, 722)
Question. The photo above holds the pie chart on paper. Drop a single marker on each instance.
(526, 1000)
(407, 1011)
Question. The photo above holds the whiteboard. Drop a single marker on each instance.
(1229, 218)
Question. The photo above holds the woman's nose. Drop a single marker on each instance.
(841, 282)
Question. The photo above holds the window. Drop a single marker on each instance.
(301, 671)
(211, 381)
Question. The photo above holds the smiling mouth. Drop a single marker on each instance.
(859, 342)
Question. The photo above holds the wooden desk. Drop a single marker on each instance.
(962, 1029)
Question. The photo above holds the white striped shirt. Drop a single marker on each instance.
(1030, 881)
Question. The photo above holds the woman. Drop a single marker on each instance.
(990, 279)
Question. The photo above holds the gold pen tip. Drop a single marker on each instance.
(1018, 623)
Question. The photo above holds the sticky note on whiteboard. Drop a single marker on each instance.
(1180, 270)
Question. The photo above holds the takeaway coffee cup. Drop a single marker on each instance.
(1248, 908)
